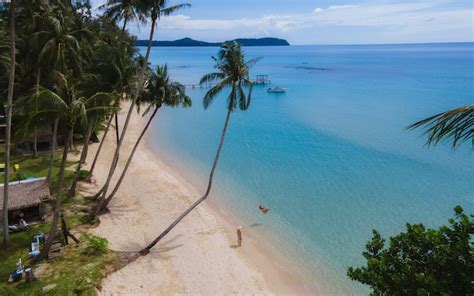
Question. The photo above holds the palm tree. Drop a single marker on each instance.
(124, 10)
(111, 68)
(61, 42)
(233, 73)
(64, 104)
(53, 149)
(456, 125)
(157, 9)
(11, 84)
(93, 115)
(160, 91)
(104, 136)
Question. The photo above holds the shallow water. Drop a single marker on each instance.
(331, 158)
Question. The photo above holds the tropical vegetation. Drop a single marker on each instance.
(67, 71)
(421, 261)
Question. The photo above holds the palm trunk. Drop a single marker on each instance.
(117, 131)
(53, 149)
(129, 160)
(129, 114)
(57, 210)
(35, 142)
(116, 114)
(147, 249)
(35, 128)
(71, 144)
(11, 84)
(85, 147)
(100, 146)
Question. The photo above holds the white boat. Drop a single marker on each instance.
(276, 90)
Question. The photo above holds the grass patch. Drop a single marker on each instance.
(36, 167)
(74, 272)
(77, 270)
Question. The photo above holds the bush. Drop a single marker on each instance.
(83, 174)
(18, 176)
(96, 245)
(421, 261)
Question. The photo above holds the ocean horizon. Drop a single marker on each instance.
(331, 157)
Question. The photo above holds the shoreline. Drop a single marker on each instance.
(202, 258)
(277, 267)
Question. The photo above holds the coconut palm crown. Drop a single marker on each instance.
(232, 72)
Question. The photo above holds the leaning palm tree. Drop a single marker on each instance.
(64, 103)
(11, 84)
(124, 10)
(233, 73)
(96, 156)
(455, 125)
(93, 115)
(157, 9)
(160, 91)
(111, 69)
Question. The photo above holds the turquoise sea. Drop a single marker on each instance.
(331, 157)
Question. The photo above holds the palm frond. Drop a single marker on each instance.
(252, 62)
(209, 96)
(211, 78)
(232, 98)
(455, 125)
(242, 97)
(171, 9)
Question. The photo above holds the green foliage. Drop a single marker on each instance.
(72, 273)
(36, 167)
(18, 176)
(232, 72)
(161, 90)
(83, 174)
(455, 125)
(421, 261)
(96, 245)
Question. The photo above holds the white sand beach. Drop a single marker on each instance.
(198, 257)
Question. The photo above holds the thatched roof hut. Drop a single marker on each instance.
(26, 197)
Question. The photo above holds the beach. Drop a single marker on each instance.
(198, 257)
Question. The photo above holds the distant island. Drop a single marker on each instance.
(243, 41)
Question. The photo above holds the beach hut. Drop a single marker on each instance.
(26, 199)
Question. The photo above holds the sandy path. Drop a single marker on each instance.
(197, 257)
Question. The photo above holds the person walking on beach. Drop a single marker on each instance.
(239, 236)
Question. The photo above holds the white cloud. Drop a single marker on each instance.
(340, 7)
(407, 18)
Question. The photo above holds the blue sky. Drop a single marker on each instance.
(319, 22)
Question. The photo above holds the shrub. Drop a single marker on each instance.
(421, 261)
(18, 176)
(83, 174)
(96, 245)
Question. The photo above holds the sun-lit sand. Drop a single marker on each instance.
(198, 257)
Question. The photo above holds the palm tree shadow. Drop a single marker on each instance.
(170, 248)
(254, 225)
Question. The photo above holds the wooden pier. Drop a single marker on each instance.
(259, 80)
